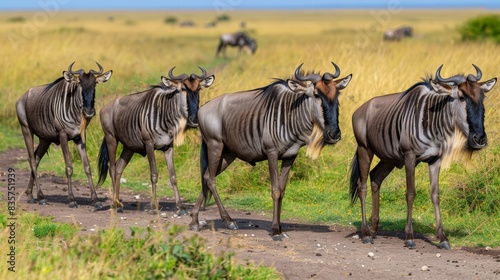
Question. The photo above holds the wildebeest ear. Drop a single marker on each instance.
(208, 81)
(103, 77)
(488, 85)
(297, 87)
(443, 88)
(171, 83)
(70, 77)
(342, 83)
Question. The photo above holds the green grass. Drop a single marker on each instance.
(46, 249)
(140, 53)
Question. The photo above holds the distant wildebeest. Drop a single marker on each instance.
(270, 123)
(56, 113)
(238, 39)
(398, 34)
(435, 121)
(143, 122)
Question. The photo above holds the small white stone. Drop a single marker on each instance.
(163, 215)
(202, 223)
(92, 229)
(355, 236)
(318, 245)
(425, 268)
(137, 197)
(123, 218)
(438, 255)
(123, 180)
(371, 254)
(487, 248)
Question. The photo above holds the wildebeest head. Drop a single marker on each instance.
(192, 85)
(86, 83)
(252, 44)
(326, 91)
(470, 93)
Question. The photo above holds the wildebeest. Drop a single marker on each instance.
(270, 123)
(56, 113)
(238, 39)
(435, 121)
(143, 122)
(398, 34)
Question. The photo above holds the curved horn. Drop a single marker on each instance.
(328, 76)
(311, 77)
(79, 72)
(179, 78)
(455, 79)
(203, 74)
(95, 72)
(478, 76)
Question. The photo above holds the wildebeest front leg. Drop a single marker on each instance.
(69, 169)
(169, 158)
(81, 146)
(276, 193)
(434, 179)
(154, 175)
(286, 165)
(410, 197)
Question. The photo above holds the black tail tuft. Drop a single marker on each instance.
(204, 166)
(355, 175)
(103, 163)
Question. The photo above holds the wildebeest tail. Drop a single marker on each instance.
(354, 188)
(103, 163)
(204, 166)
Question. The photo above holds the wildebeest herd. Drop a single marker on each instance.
(433, 121)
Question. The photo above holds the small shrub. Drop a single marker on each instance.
(44, 230)
(223, 17)
(171, 20)
(17, 19)
(481, 28)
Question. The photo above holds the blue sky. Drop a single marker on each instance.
(239, 4)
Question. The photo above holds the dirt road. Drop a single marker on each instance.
(312, 252)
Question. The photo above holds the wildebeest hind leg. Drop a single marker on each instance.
(40, 151)
(377, 176)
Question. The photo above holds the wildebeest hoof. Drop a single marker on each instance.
(279, 237)
(182, 212)
(410, 244)
(445, 245)
(119, 209)
(98, 205)
(194, 227)
(42, 202)
(367, 239)
(73, 204)
(232, 225)
(31, 201)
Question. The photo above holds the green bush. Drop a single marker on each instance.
(171, 20)
(223, 17)
(481, 28)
